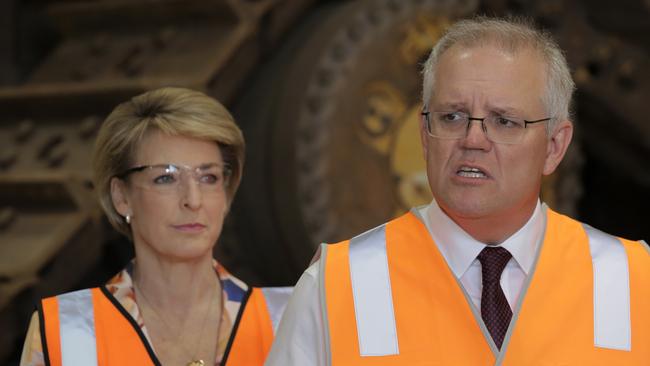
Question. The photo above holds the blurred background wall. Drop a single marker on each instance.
(327, 94)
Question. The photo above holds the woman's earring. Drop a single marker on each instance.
(128, 219)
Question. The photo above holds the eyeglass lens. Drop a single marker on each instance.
(454, 125)
(170, 178)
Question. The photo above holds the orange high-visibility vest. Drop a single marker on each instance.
(391, 299)
(90, 328)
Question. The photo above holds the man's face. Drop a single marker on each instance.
(484, 81)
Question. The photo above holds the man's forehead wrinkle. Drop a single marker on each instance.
(500, 107)
(510, 50)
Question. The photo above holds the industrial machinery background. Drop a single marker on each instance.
(327, 94)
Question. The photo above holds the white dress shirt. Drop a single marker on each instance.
(300, 339)
(460, 251)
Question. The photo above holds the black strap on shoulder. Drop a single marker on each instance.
(41, 325)
(235, 326)
(133, 323)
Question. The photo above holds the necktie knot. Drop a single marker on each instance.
(493, 261)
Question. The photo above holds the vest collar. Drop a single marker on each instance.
(459, 249)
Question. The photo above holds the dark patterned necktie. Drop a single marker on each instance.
(495, 310)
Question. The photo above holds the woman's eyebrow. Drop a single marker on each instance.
(210, 165)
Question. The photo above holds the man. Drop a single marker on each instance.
(485, 274)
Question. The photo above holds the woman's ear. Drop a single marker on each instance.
(120, 197)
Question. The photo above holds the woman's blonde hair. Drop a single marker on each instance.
(174, 111)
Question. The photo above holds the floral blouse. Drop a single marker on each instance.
(121, 287)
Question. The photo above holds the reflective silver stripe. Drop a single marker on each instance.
(371, 290)
(322, 262)
(612, 324)
(276, 300)
(77, 329)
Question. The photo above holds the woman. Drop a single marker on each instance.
(166, 166)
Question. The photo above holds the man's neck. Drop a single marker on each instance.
(494, 229)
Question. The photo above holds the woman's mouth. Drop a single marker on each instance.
(191, 227)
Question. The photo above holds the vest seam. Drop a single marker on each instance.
(645, 245)
(323, 301)
(133, 324)
(235, 326)
(41, 320)
(478, 318)
(524, 291)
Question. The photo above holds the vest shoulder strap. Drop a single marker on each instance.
(371, 291)
(90, 327)
(70, 328)
(612, 322)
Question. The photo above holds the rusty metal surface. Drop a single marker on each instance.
(357, 155)
(140, 45)
(614, 73)
(327, 94)
(7, 32)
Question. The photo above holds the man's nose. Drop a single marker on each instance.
(476, 135)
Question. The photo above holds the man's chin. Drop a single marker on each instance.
(467, 207)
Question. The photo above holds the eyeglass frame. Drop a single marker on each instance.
(426, 115)
(226, 170)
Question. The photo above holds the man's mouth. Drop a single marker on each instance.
(470, 172)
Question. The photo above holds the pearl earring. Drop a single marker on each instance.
(128, 219)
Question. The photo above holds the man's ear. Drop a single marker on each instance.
(557, 145)
(120, 197)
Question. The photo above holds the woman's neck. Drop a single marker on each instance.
(174, 285)
(181, 303)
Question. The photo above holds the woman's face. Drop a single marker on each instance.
(177, 207)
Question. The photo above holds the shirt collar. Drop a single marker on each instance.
(460, 249)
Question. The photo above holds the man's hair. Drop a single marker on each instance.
(174, 111)
(511, 35)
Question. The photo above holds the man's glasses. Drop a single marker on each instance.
(498, 129)
(171, 178)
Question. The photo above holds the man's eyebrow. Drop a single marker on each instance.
(450, 106)
(507, 110)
